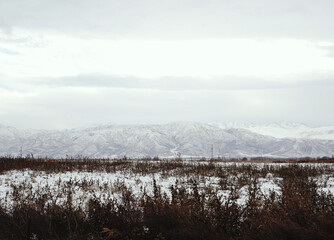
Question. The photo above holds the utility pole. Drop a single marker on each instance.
(21, 151)
(211, 151)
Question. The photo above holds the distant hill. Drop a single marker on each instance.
(188, 138)
(284, 130)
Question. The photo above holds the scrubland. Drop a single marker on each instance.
(165, 199)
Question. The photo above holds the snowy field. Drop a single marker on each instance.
(165, 199)
(30, 184)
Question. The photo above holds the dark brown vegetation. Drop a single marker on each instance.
(112, 165)
(300, 211)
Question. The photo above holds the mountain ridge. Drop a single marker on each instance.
(284, 130)
(191, 139)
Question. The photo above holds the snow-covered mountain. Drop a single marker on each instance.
(284, 130)
(188, 138)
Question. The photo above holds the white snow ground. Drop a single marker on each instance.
(85, 185)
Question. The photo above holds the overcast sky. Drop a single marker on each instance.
(67, 64)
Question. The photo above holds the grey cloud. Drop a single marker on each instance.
(72, 107)
(182, 83)
(8, 51)
(4, 87)
(173, 19)
(329, 50)
(26, 40)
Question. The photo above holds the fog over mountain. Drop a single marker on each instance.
(191, 139)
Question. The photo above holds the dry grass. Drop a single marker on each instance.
(301, 211)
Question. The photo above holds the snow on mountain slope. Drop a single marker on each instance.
(188, 138)
(285, 130)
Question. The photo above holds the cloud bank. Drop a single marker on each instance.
(74, 63)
